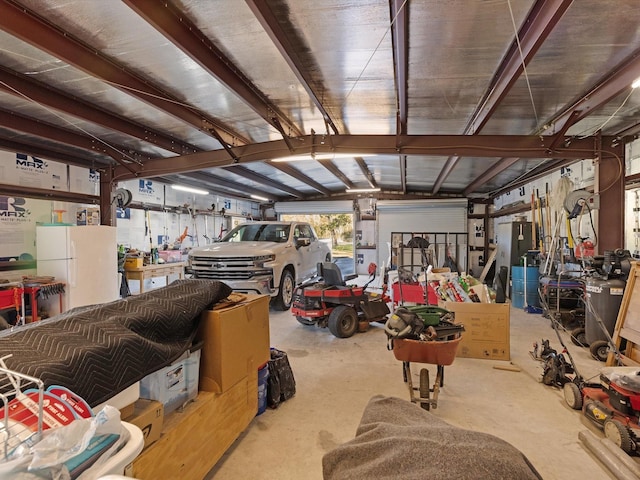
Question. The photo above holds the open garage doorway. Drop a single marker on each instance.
(336, 229)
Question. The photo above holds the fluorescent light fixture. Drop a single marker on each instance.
(320, 156)
(257, 197)
(189, 189)
(361, 190)
(636, 83)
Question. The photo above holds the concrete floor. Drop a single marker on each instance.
(336, 378)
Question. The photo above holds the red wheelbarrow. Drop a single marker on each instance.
(440, 352)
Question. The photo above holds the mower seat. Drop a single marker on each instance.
(332, 275)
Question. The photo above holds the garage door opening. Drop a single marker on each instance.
(336, 229)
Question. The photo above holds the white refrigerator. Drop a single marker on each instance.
(85, 258)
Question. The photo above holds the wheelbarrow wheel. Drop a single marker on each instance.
(425, 401)
(579, 337)
(343, 321)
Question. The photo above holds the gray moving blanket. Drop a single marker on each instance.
(398, 440)
(99, 350)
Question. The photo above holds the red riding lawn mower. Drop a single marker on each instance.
(327, 301)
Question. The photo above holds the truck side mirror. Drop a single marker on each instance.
(303, 242)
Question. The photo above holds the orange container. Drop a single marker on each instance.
(437, 352)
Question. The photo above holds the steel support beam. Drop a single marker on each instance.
(490, 146)
(610, 186)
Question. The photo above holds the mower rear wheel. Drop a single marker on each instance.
(425, 401)
(618, 434)
(572, 395)
(579, 337)
(343, 321)
(305, 320)
(599, 350)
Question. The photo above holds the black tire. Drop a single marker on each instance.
(599, 350)
(618, 434)
(425, 401)
(343, 321)
(285, 293)
(305, 320)
(579, 337)
(572, 395)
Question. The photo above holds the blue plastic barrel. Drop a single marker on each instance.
(263, 376)
(518, 286)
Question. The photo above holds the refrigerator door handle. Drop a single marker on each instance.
(73, 265)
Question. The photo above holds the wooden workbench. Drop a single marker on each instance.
(156, 270)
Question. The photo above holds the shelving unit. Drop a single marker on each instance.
(365, 247)
(415, 250)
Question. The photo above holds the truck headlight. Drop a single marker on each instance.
(262, 259)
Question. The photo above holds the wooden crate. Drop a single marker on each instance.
(193, 440)
(626, 334)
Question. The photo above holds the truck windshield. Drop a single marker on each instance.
(258, 233)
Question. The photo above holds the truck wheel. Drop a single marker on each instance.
(285, 293)
(343, 321)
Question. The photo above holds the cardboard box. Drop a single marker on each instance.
(486, 325)
(174, 385)
(133, 262)
(148, 415)
(127, 410)
(235, 336)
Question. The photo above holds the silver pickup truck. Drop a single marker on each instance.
(263, 257)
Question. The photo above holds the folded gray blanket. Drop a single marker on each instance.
(397, 439)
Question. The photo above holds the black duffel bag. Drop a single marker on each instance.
(280, 385)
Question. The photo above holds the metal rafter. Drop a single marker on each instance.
(298, 175)
(619, 80)
(173, 24)
(205, 180)
(535, 29)
(256, 177)
(272, 27)
(25, 87)
(31, 28)
(598, 95)
(54, 153)
(20, 123)
(400, 45)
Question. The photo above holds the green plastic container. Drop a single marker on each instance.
(431, 315)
